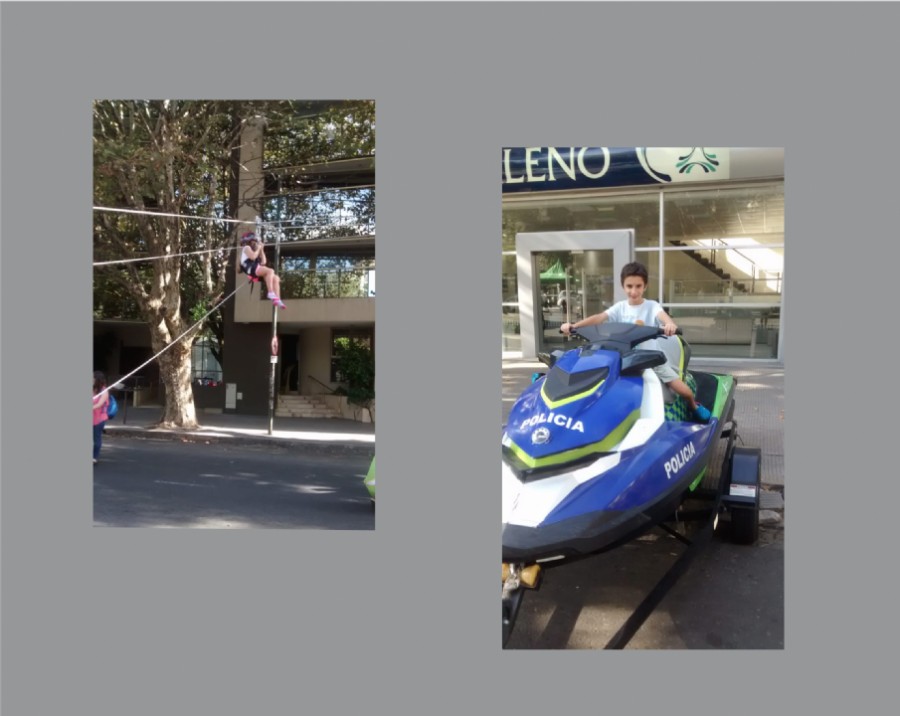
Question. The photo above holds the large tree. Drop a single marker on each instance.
(165, 168)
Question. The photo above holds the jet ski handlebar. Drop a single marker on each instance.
(618, 330)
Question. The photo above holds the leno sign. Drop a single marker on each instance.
(558, 168)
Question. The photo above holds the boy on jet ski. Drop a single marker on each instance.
(643, 311)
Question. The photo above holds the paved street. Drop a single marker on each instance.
(166, 482)
(731, 597)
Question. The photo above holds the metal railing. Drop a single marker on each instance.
(734, 290)
(327, 387)
(325, 214)
(755, 274)
(334, 283)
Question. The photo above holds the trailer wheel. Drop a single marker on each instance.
(744, 488)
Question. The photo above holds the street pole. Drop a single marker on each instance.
(273, 358)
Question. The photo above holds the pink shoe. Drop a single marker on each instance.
(278, 302)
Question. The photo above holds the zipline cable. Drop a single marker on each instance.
(303, 242)
(256, 222)
(164, 256)
(172, 343)
(175, 216)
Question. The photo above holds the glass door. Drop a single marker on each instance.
(566, 276)
(573, 285)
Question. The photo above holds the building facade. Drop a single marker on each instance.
(707, 222)
(318, 224)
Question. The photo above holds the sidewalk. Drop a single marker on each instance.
(139, 422)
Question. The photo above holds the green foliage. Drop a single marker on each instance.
(356, 367)
(167, 157)
(299, 195)
(177, 157)
(329, 131)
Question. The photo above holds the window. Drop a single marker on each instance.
(715, 257)
(328, 275)
(205, 369)
(362, 336)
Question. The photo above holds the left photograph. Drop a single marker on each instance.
(234, 314)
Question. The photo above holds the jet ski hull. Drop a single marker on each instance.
(597, 530)
(630, 493)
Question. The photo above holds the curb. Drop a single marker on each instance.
(223, 435)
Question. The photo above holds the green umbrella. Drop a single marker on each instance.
(555, 273)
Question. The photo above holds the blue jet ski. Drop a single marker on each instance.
(597, 451)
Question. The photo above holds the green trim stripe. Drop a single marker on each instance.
(613, 438)
(571, 399)
(693, 486)
(723, 388)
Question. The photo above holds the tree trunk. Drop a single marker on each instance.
(175, 376)
(163, 309)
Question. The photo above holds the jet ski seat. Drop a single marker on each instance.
(678, 355)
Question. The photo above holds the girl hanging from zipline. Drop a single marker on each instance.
(253, 263)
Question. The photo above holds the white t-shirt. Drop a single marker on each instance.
(644, 314)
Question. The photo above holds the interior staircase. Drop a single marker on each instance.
(707, 264)
(303, 406)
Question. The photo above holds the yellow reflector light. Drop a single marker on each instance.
(528, 576)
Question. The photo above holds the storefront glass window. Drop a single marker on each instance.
(510, 283)
(619, 211)
(722, 246)
(730, 332)
(511, 336)
(724, 273)
(753, 213)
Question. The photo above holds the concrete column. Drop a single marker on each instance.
(251, 185)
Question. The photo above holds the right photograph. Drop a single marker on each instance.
(642, 422)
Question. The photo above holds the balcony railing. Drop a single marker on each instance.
(323, 214)
(336, 283)
(722, 291)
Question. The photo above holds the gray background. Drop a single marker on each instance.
(405, 619)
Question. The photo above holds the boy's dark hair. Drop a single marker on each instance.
(635, 268)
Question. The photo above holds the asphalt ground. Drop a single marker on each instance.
(154, 481)
(233, 471)
(730, 597)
